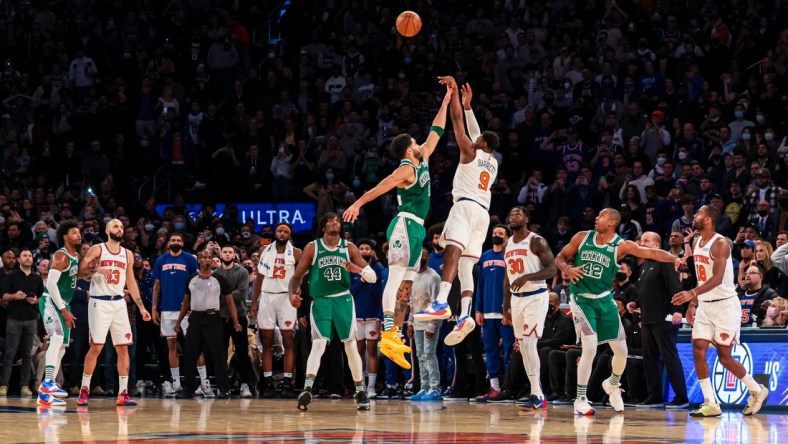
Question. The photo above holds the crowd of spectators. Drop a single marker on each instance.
(653, 107)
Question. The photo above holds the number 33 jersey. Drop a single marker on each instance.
(473, 180)
(600, 264)
(521, 260)
(116, 263)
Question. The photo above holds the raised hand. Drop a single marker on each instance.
(467, 95)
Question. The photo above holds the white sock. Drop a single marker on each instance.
(267, 374)
(60, 355)
(753, 386)
(284, 375)
(373, 378)
(203, 372)
(443, 293)
(123, 384)
(536, 386)
(495, 383)
(86, 380)
(176, 376)
(708, 392)
(466, 306)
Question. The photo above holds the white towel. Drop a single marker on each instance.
(267, 259)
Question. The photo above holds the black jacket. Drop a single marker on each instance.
(558, 330)
(657, 284)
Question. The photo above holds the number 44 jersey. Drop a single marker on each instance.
(599, 264)
(328, 276)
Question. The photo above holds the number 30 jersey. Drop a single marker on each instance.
(473, 180)
(521, 260)
(600, 264)
(116, 263)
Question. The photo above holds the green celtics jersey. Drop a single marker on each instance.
(599, 265)
(328, 276)
(415, 199)
(68, 278)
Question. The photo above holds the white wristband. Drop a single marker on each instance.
(368, 275)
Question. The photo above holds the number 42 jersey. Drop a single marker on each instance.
(600, 264)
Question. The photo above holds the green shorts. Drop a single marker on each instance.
(53, 319)
(406, 238)
(334, 315)
(597, 317)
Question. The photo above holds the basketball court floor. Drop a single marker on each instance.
(193, 421)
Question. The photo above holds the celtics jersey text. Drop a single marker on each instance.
(415, 198)
(68, 278)
(474, 180)
(600, 264)
(328, 276)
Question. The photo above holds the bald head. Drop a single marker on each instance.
(651, 237)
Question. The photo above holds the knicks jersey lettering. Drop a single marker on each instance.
(116, 264)
(278, 279)
(521, 260)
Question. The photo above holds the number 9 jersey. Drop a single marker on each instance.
(473, 180)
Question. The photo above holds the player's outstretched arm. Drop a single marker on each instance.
(470, 118)
(404, 175)
(457, 121)
(631, 248)
(437, 128)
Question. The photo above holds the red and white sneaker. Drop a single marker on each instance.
(464, 327)
(492, 393)
(124, 399)
(84, 396)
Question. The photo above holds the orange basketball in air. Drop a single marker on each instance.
(408, 24)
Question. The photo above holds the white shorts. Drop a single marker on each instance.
(167, 326)
(109, 317)
(275, 310)
(718, 322)
(466, 228)
(367, 329)
(528, 314)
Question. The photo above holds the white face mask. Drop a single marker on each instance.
(682, 155)
(768, 136)
(771, 312)
(661, 161)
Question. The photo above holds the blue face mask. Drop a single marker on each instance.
(356, 183)
(329, 177)
(738, 114)
(746, 136)
(179, 226)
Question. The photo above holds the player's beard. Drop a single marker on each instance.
(116, 237)
(281, 243)
(515, 227)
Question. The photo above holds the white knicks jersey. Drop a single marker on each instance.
(473, 180)
(704, 270)
(117, 264)
(278, 279)
(521, 260)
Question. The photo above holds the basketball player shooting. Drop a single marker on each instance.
(469, 219)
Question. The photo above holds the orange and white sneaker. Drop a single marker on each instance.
(124, 399)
